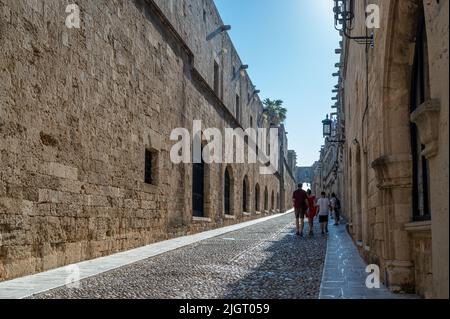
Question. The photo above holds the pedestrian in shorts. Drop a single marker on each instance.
(300, 199)
(323, 206)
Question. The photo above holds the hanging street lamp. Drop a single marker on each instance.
(327, 127)
(327, 131)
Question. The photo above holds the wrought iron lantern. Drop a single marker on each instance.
(327, 127)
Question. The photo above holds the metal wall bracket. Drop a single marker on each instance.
(343, 17)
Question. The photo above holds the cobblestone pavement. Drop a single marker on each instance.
(264, 261)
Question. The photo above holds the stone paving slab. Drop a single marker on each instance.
(344, 275)
(34, 284)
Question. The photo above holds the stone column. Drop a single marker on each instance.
(394, 183)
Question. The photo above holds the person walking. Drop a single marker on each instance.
(336, 207)
(323, 205)
(300, 199)
(311, 211)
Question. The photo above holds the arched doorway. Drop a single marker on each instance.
(227, 192)
(245, 195)
(266, 199)
(278, 202)
(257, 208)
(198, 189)
(273, 200)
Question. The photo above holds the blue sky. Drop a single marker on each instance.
(289, 46)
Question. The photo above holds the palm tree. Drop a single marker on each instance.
(274, 111)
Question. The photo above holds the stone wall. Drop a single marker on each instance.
(378, 182)
(79, 107)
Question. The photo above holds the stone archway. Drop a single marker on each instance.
(393, 167)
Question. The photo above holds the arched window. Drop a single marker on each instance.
(245, 194)
(257, 208)
(420, 92)
(227, 192)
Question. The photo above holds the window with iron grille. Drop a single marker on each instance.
(420, 92)
(148, 171)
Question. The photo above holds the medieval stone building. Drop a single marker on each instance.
(327, 173)
(394, 97)
(86, 116)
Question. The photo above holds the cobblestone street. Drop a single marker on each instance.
(264, 261)
(154, 149)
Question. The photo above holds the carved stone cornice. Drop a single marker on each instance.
(426, 117)
(393, 171)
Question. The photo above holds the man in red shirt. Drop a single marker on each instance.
(301, 206)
